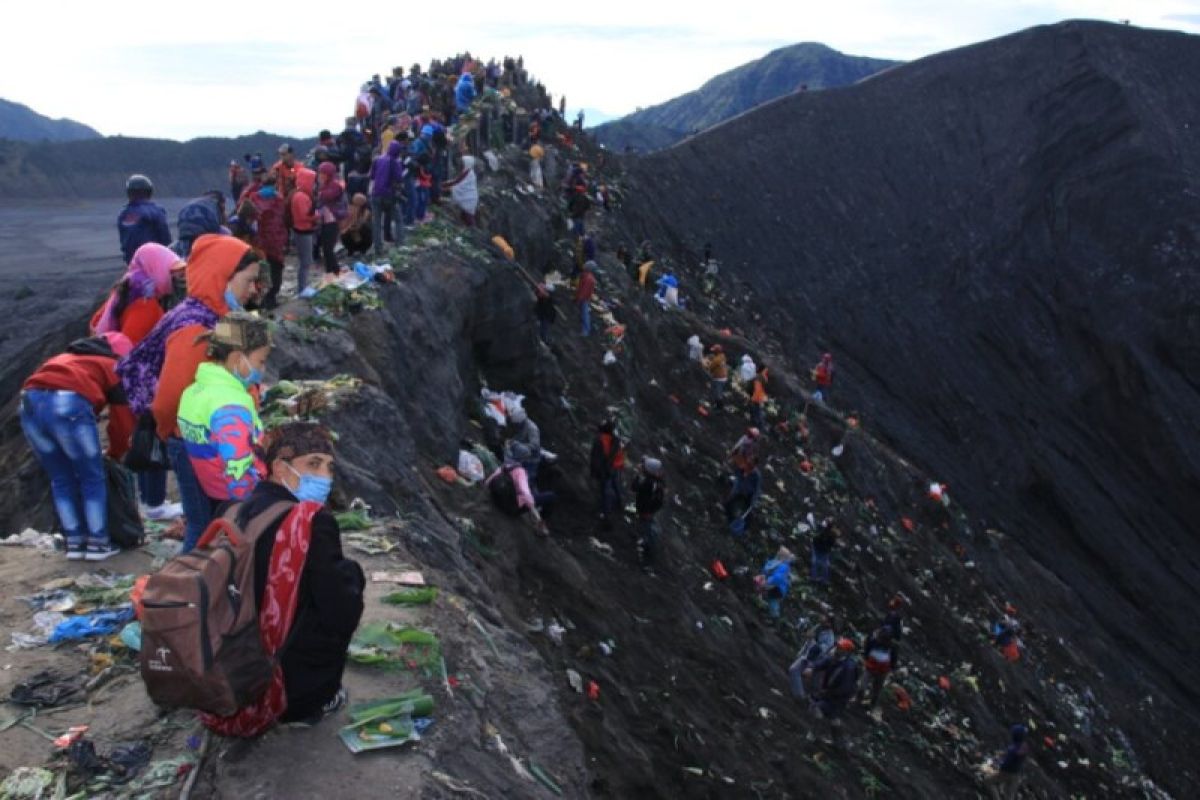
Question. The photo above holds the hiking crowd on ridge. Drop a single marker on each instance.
(176, 355)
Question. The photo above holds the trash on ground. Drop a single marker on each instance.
(413, 596)
(410, 578)
(47, 689)
(387, 722)
(394, 646)
(31, 538)
(101, 623)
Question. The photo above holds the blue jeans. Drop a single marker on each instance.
(197, 508)
(422, 203)
(585, 311)
(544, 331)
(61, 429)
(577, 226)
(152, 487)
(610, 494)
(820, 567)
(304, 253)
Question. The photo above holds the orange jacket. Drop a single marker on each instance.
(214, 259)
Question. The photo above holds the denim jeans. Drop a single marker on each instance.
(610, 494)
(422, 203)
(820, 567)
(585, 311)
(152, 487)
(544, 331)
(647, 532)
(197, 508)
(61, 429)
(382, 211)
(304, 253)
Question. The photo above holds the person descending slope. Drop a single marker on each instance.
(834, 681)
(776, 579)
(882, 659)
(819, 646)
(1007, 782)
(743, 496)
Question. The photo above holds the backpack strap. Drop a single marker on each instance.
(263, 520)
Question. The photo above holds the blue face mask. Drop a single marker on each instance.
(312, 488)
(232, 301)
(267, 192)
(254, 376)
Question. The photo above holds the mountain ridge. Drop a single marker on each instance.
(19, 122)
(780, 72)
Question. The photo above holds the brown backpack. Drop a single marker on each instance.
(200, 637)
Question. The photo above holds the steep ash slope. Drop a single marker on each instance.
(1000, 244)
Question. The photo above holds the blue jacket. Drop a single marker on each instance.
(464, 92)
(139, 223)
(197, 218)
(779, 575)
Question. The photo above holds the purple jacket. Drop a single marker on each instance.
(386, 171)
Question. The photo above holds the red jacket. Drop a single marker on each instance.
(587, 287)
(95, 379)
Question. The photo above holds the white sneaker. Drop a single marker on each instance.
(165, 511)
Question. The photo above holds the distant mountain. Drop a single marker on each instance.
(778, 73)
(99, 167)
(23, 124)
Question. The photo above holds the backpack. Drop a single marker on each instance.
(124, 521)
(504, 492)
(200, 636)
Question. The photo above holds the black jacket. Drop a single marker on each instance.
(328, 609)
(544, 309)
(648, 495)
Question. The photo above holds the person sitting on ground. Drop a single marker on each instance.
(834, 681)
(649, 492)
(133, 308)
(776, 578)
(218, 417)
(822, 375)
(744, 453)
(1008, 773)
(464, 189)
(718, 372)
(545, 312)
(510, 491)
(819, 646)
(220, 278)
(205, 214)
(607, 460)
(301, 571)
(743, 496)
(526, 432)
(141, 221)
(823, 542)
(60, 403)
(882, 657)
(356, 227)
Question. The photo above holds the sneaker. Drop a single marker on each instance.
(75, 550)
(100, 552)
(164, 512)
(339, 700)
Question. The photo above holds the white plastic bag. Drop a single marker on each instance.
(470, 466)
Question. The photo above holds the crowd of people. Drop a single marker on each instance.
(177, 358)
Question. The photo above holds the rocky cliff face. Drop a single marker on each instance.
(1000, 245)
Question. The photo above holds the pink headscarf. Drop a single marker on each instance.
(149, 275)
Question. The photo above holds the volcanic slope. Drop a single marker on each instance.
(1000, 244)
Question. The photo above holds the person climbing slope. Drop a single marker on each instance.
(1007, 782)
(649, 490)
(776, 580)
(819, 646)
(823, 543)
(882, 657)
(758, 398)
(743, 497)
(822, 375)
(743, 455)
(718, 373)
(583, 296)
(526, 432)
(60, 404)
(510, 491)
(544, 311)
(607, 460)
(834, 681)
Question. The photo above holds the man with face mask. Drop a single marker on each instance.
(218, 418)
(329, 600)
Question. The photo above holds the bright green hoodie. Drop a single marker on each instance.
(220, 428)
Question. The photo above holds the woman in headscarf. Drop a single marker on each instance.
(221, 278)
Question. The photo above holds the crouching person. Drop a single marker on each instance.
(314, 609)
(510, 489)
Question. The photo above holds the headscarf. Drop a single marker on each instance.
(148, 276)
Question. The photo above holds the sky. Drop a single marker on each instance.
(178, 70)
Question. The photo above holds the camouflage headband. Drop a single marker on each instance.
(241, 331)
(295, 439)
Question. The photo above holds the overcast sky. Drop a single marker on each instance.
(212, 67)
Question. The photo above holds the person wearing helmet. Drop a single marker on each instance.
(60, 403)
(649, 491)
(141, 221)
(1008, 773)
(834, 681)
